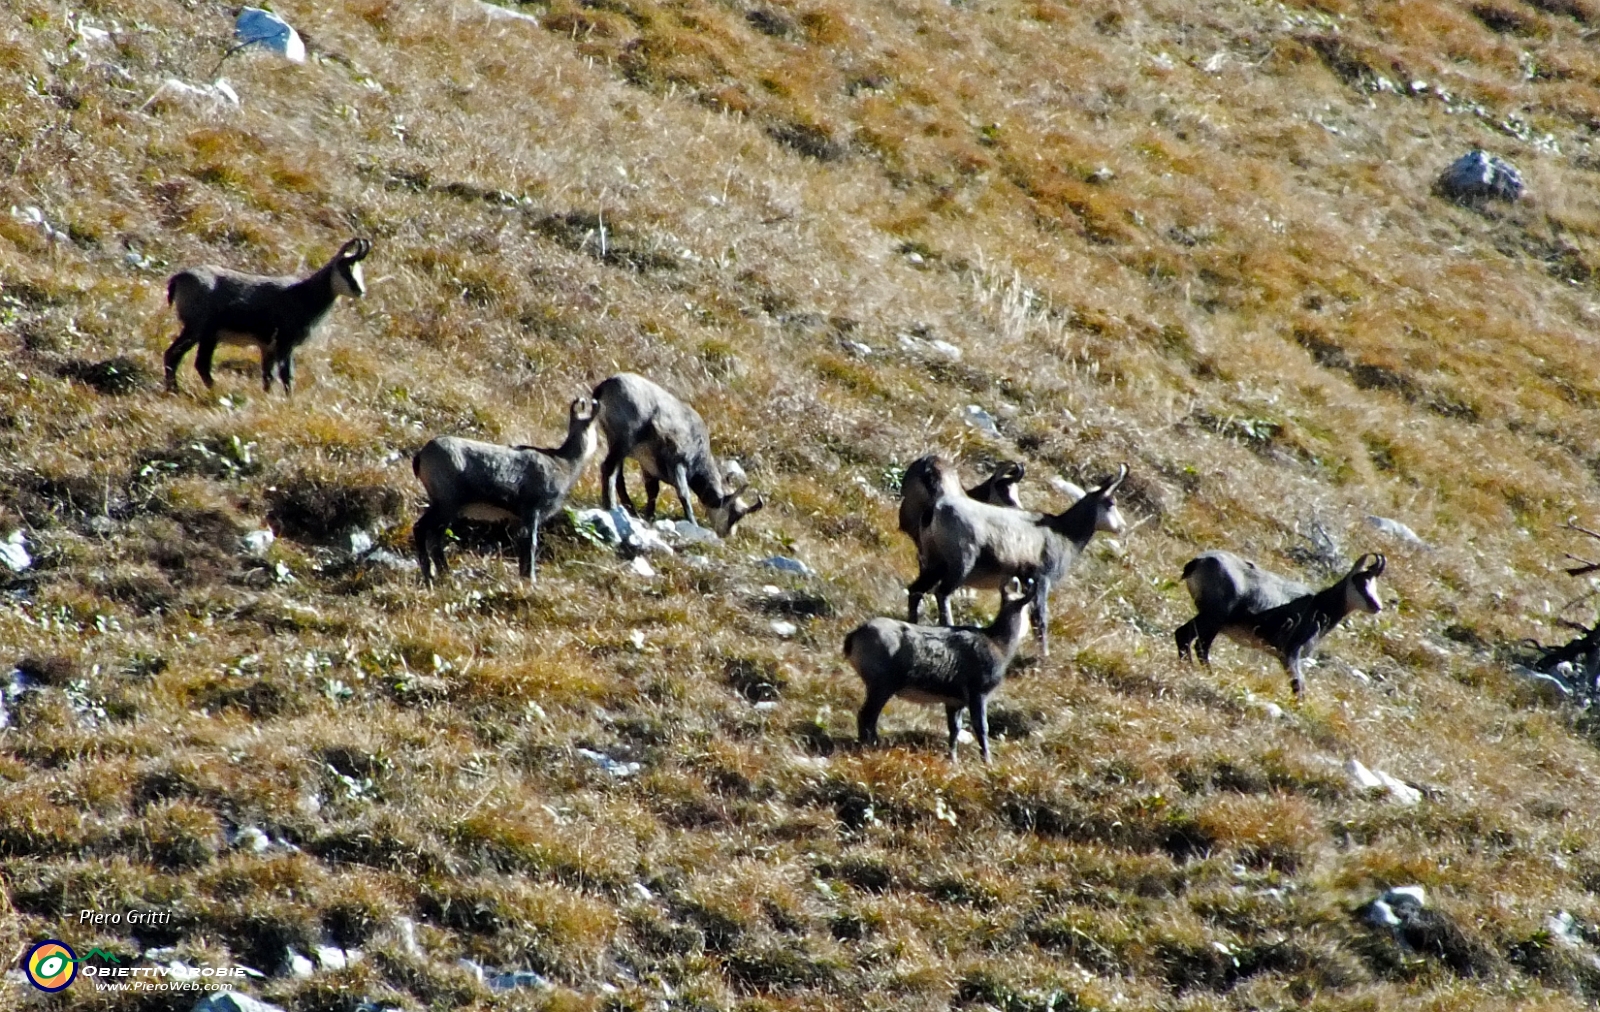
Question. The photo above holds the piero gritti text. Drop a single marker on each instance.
(136, 917)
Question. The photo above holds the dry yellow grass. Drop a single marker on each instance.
(1196, 238)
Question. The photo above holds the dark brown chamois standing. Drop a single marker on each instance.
(275, 314)
(1238, 599)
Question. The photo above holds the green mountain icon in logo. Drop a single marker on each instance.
(103, 954)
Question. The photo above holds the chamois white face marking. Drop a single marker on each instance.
(1108, 518)
(1362, 595)
(347, 280)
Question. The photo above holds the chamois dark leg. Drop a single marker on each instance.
(187, 338)
(926, 580)
(611, 479)
(978, 707)
(202, 358)
(867, 719)
(1185, 636)
(680, 481)
(652, 491)
(1041, 615)
(286, 372)
(428, 536)
(528, 547)
(952, 719)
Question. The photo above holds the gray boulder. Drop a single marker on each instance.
(1477, 176)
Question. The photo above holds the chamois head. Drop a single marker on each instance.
(1361, 585)
(1107, 517)
(725, 516)
(347, 278)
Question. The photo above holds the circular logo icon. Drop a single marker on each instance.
(51, 965)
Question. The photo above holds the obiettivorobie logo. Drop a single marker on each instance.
(51, 965)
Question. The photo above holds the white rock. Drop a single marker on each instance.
(234, 1001)
(406, 928)
(1377, 780)
(1551, 687)
(1071, 489)
(641, 567)
(14, 553)
(643, 892)
(517, 980)
(979, 419)
(694, 534)
(1413, 893)
(609, 765)
(265, 29)
(1364, 778)
(1401, 791)
(299, 966)
(331, 957)
(643, 540)
(637, 639)
(946, 349)
(360, 542)
(1563, 927)
(257, 542)
(252, 839)
(785, 629)
(217, 93)
(497, 13)
(1397, 530)
(601, 523)
(784, 564)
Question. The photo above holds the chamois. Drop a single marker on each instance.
(930, 477)
(670, 441)
(276, 314)
(1237, 598)
(973, 544)
(955, 666)
(486, 481)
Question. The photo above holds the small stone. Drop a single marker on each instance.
(257, 542)
(785, 629)
(641, 567)
(785, 564)
(694, 534)
(643, 892)
(234, 1001)
(1071, 489)
(14, 553)
(360, 542)
(979, 419)
(299, 966)
(1397, 530)
(637, 639)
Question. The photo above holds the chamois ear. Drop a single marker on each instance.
(582, 409)
(1009, 471)
(1377, 565)
(354, 250)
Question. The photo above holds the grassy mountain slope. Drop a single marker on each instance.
(1197, 238)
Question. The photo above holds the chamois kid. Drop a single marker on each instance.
(957, 667)
(486, 481)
